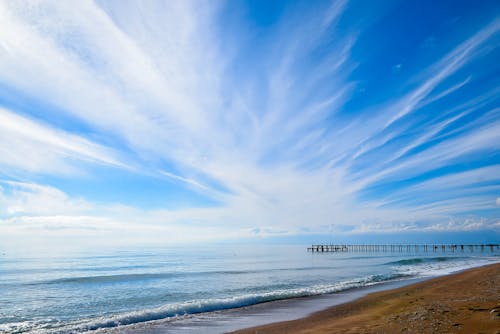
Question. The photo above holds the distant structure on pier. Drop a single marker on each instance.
(409, 248)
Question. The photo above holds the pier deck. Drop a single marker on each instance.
(405, 248)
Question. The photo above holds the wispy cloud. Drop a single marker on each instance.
(446, 67)
(30, 199)
(26, 145)
(267, 124)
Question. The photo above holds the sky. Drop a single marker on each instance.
(196, 121)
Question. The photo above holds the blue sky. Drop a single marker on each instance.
(179, 121)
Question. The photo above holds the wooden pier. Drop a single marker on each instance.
(408, 248)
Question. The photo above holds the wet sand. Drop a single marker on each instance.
(466, 302)
(249, 316)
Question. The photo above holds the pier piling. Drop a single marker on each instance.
(408, 248)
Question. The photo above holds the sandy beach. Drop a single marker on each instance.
(465, 302)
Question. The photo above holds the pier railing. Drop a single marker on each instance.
(366, 248)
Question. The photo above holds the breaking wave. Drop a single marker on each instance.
(419, 260)
(205, 305)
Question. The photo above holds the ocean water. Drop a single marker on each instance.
(100, 290)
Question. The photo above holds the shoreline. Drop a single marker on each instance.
(463, 302)
(247, 319)
(235, 319)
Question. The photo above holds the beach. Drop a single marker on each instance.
(211, 290)
(464, 302)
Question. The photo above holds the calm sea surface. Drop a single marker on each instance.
(76, 292)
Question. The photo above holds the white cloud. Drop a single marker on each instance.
(374, 133)
(450, 187)
(31, 146)
(33, 199)
(34, 211)
(447, 66)
(169, 91)
(481, 139)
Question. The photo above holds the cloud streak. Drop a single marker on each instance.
(264, 119)
(34, 147)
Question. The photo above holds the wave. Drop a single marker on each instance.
(110, 278)
(436, 266)
(217, 304)
(401, 269)
(419, 260)
(116, 278)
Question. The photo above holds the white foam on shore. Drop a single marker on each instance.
(177, 310)
(399, 270)
(443, 266)
(284, 310)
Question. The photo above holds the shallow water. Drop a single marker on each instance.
(79, 291)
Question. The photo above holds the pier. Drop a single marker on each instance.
(408, 248)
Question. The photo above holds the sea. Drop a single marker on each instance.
(199, 289)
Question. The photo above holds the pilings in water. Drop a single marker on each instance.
(408, 248)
